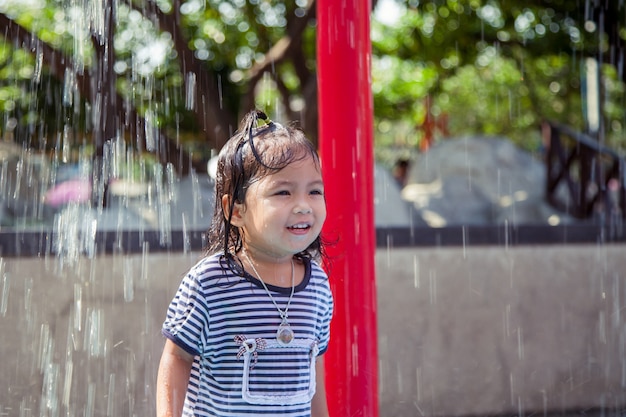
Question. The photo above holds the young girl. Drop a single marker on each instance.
(250, 322)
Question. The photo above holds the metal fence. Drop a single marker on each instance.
(583, 177)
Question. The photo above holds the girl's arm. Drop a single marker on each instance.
(172, 380)
(319, 407)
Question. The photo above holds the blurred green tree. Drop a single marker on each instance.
(171, 77)
(456, 67)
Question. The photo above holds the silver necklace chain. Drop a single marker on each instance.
(283, 314)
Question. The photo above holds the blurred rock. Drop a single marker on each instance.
(479, 181)
(390, 209)
(24, 178)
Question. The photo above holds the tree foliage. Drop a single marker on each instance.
(495, 67)
(168, 77)
(171, 77)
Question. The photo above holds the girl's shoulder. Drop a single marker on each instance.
(211, 268)
(315, 268)
(207, 261)
(315, 274)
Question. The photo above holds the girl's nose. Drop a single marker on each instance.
(302, 209)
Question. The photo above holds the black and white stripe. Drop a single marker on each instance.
(212, 306)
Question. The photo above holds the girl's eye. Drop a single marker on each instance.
(317, 192)
(282, 192)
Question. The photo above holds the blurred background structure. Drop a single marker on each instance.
(133, 90)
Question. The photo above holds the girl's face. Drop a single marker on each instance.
(283, 212)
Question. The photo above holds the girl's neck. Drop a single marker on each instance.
(265, 259)
(271, 270)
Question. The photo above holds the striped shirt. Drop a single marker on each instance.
(229, 324)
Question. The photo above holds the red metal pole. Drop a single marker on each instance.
(346, 147)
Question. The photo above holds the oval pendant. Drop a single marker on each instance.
(284, 334)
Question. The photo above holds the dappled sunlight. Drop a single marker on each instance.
(509, 200)
(421, 193)
(433, 219)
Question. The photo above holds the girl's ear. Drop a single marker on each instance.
(236, 219)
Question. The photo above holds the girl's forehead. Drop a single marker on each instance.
(305, 169)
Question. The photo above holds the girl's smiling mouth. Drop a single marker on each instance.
(299, 227)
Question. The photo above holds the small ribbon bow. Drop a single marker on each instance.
(250, 346)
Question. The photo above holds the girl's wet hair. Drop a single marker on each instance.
(253, 152)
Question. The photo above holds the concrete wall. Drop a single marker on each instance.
(494, 331)
(462, 331)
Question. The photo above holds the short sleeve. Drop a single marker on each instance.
(326, 313)
(187, 316)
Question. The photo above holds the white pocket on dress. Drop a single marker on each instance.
(276, 374)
